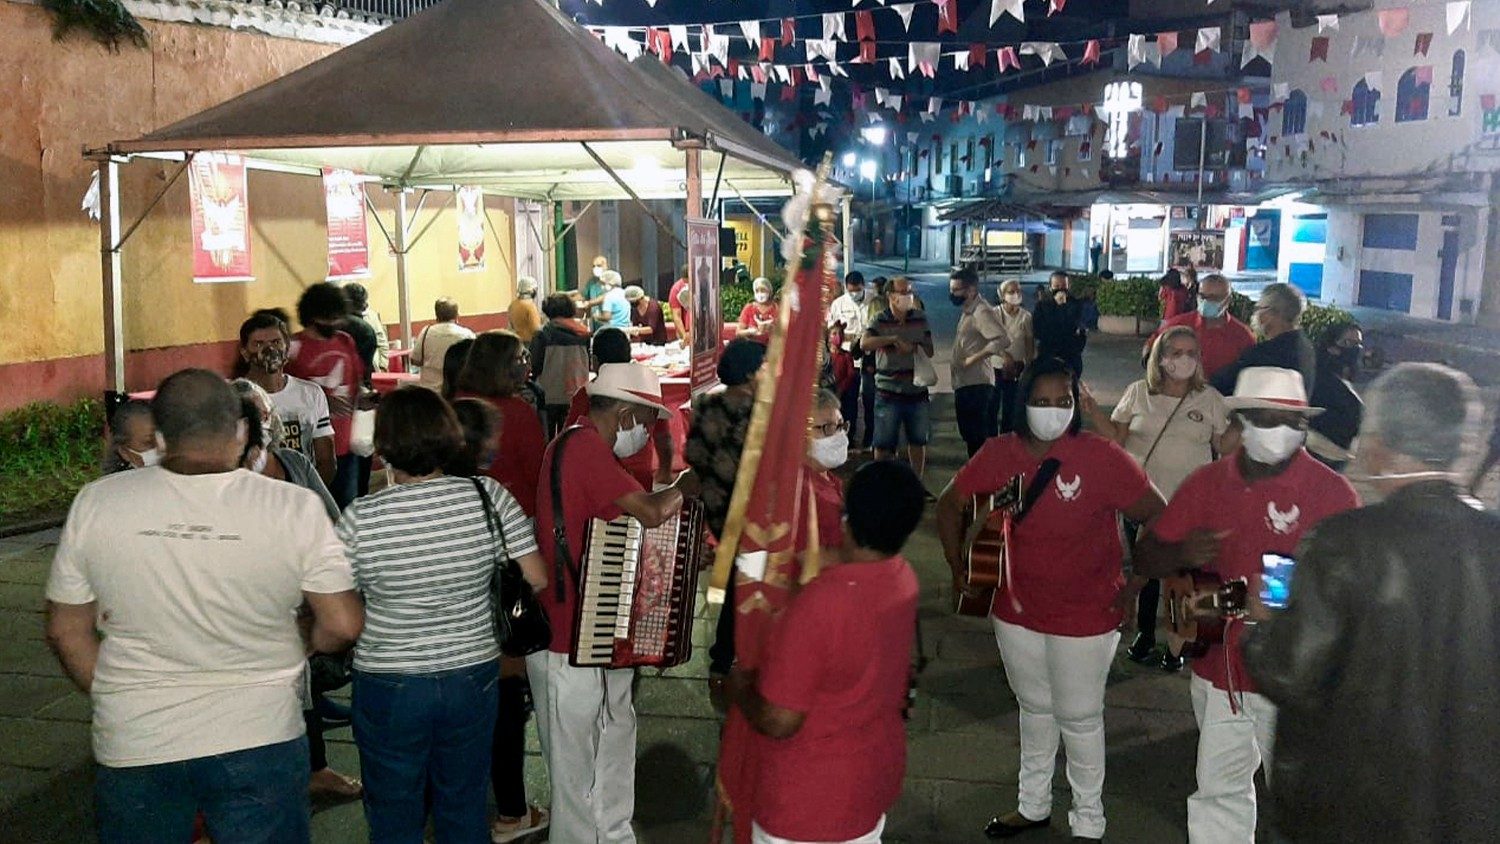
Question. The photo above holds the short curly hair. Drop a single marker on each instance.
(324, 300)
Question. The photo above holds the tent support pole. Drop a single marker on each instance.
(155, 200)
(435, 215)
(693, 178)
(559, 231)
(692, 158)
(403, 291)
(109, 264)
(718, 180)
(753, 210)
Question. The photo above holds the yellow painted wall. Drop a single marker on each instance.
(62, 96)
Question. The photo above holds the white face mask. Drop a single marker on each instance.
(629, 441)
(1060, 297)
(762, 297)
(831, 451)
(1013, 298)
(1180, 368)
(1048, 423)
(149, 457)
(857, 295)
(598, 271)
(1270, 446)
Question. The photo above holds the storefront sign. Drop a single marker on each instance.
(221, 218)
(1198, 249)
(470, 230)
(703, 279)
(348, 237)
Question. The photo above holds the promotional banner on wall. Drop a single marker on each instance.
(221, 218)
(348, 236)
(470, 229)
(703, 278)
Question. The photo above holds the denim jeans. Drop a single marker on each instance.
(345, 486)
(425, 739)
(247, 796)
(972, 405)
(867, 399)
(893, 417)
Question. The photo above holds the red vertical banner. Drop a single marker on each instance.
(470, 229)
(348, 236)
(221, 218)
(703, 281)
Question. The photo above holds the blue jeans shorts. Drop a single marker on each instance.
(892, 417)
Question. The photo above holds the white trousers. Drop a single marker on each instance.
(760, 836)
(1231, 745)
(586, 723)
(1059, 686)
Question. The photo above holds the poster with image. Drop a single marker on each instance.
(217, 196)
(348, 236)
(470, 229)
(703, 280)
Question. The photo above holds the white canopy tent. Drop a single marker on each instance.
(507, 95)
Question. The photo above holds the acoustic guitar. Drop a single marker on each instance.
(1198, 605)
(984, 556)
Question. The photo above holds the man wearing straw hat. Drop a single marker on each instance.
(1225, 518)
(585, 718)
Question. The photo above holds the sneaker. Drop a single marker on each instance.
(1141, 649)
(536, 820)
(1172, 664)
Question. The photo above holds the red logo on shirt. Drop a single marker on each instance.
(1283, 522)
(1068, 490)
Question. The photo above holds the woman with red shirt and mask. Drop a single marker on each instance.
(1059, 606)
(496, 367)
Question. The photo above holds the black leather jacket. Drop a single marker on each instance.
(1386, 669)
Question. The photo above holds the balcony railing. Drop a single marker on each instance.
(394, 9)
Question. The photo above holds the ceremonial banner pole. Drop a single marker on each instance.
(789, 377)
(761, 542)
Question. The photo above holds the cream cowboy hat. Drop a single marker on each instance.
(629, 382)
(1270, 388)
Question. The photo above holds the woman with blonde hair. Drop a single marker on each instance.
(1171, 422)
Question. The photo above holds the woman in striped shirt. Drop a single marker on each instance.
(426, 669)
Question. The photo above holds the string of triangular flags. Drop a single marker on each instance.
(921, 57)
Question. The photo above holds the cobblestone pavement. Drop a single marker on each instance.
(963, 745)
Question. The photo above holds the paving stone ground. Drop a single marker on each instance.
(963, 743)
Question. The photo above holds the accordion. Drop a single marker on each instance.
(637, 588)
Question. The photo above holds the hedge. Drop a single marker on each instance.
(1129, 297)
(47, 453)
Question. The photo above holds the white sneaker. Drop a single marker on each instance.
(536, 820)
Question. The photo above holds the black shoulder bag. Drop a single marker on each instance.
(1044, 475)
(521, 625)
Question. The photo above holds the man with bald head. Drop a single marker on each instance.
(1221, 337)
(173, 600)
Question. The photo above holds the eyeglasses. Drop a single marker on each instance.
(831, 428)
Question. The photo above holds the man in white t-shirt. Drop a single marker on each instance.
(432, 346)
(193, 573)
(301, 404)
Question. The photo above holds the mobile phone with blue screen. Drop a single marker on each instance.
(1276, 579)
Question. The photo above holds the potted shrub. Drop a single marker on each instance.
(1128, 306)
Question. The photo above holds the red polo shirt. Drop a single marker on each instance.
(1221, 344)
(522, 440)
(591, 481)
(1066, 563)
(839, 654)
(1269, 515)
(332, 363)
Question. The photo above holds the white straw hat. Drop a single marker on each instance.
(629, 382)
(1270, 388)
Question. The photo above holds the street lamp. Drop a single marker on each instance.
(849, 160)
(874, 135)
